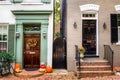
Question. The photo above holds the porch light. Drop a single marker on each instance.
(17, 34)
(75, 25)
(104, 25)
(44, 35)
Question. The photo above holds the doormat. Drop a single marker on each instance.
(31, 69)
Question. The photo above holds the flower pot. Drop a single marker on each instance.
(81, 56)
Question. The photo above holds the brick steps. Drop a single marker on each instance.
(84, 74)
(94, 68)
(29, 74)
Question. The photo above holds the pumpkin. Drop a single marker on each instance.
(49, 69)
(17, 67)
(18, 70)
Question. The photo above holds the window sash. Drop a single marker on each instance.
(3, 46)
(118, 33)
(4, 0)
(3, 33)
(3, 38)
(32, 1)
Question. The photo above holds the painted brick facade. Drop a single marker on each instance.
(74, 36)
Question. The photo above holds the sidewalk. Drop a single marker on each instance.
(60, 75)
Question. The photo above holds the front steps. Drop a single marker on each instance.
(94, 68)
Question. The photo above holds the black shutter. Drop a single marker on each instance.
(114, 28)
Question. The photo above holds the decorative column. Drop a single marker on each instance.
(44, 29)
(19, 44)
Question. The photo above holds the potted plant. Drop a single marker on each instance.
(82, 51)
(5, 61)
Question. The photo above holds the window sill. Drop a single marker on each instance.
(28, 3)
(5, 3)
(118, 43)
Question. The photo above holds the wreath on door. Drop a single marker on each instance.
(32, 42)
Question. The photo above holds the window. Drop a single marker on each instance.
(119, 33)
(3, 38)
(31, 27)
(89, 15)
(4, 0)
(32, 1)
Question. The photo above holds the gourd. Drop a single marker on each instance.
(17, 68)
(42, 67)
(49, 69)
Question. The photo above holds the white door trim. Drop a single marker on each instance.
(93, 18)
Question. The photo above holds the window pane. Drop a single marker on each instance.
(3, 46)
(0, 29)
(88, 15)
(4, 37)
(31, 27)
(4, 0)
(31, 1)
(4, 30)
(119, 34)
(0, 37)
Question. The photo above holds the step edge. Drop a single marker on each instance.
(96, 72)
(94, 66)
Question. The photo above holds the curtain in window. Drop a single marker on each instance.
(3, 46)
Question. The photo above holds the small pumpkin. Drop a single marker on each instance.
(18, 70)
(17, 66)
(49, 69)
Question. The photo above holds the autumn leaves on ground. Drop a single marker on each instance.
(63, 75)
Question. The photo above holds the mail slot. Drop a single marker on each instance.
(32, 52)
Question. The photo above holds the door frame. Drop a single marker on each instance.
(92, 18)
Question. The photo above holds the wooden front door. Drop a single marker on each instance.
(31, 50)
(89, 37)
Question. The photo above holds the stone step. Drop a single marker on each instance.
(97, 63)
(94, 68)
(95, 73)
(29, 74)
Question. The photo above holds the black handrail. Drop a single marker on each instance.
(108, 54)
(77, 58)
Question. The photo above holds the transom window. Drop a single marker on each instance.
(88, 15)
(3, 38)
(31, 27)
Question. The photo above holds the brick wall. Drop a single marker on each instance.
(74, 36)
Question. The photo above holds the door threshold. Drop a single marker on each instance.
(91, 56)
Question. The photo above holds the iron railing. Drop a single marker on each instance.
(108, 54)
(77, 58)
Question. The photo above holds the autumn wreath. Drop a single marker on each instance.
(32, 42)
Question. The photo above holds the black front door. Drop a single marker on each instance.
(59, 54)
(89, 37)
